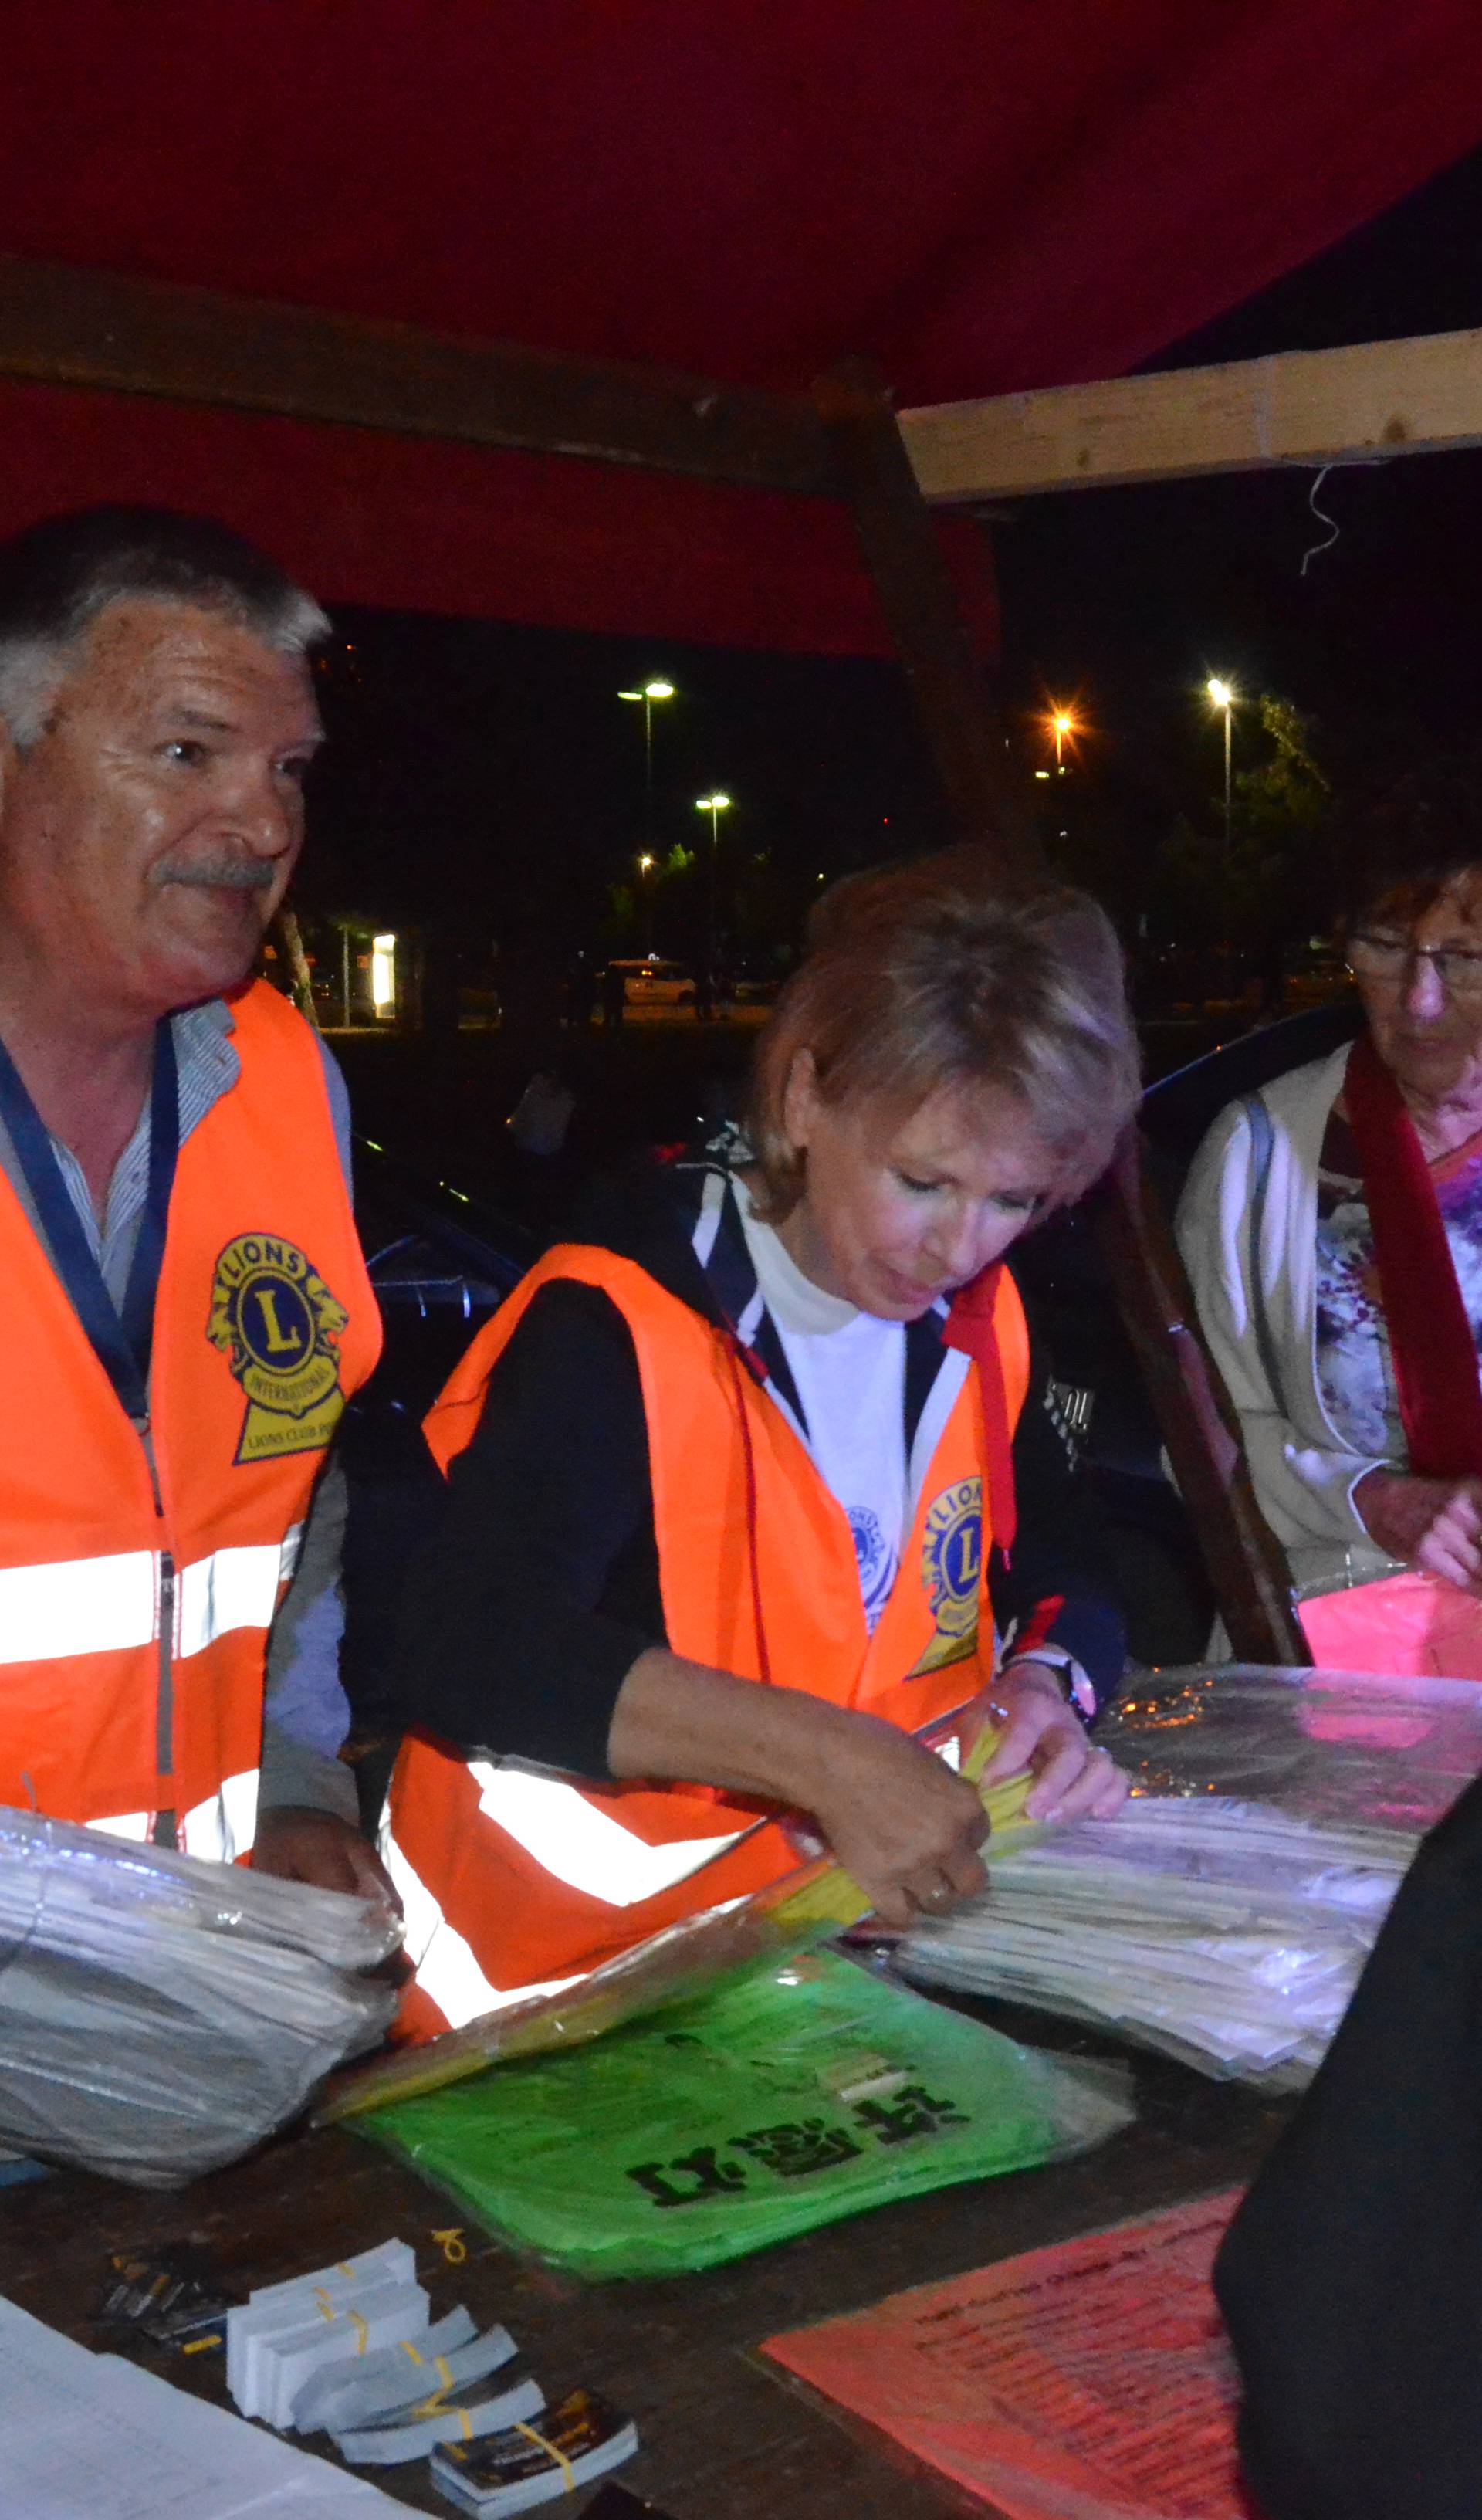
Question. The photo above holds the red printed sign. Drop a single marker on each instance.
(1090, 2381)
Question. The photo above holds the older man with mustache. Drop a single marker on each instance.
(185, 1306)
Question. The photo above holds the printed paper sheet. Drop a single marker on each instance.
(1090, 2381)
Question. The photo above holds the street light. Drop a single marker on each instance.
(1222, 697)
(656, 690)
(1061, 724)
(645, 889)
(714, 805)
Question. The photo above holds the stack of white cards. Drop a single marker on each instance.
(287, 2333)
(350, 2350)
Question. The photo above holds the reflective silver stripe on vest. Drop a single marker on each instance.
(218, 1829)
(85, 1606)
(587, 1849)
(232, 1588)
(447, 1971)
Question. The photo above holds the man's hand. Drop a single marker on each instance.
(1435, 1525)
(320, 1847)
(1072, 1778)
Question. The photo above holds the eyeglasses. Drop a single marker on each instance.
(1388, 958)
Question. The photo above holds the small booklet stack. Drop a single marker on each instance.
(536, 2461)
(353, 2350)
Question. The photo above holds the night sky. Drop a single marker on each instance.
(488, 777)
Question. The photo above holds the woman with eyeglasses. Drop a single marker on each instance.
(1333, 1228)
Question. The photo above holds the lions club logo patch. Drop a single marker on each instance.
(952, 1567)
(275, 1320)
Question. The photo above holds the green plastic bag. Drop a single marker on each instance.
(777, 2101)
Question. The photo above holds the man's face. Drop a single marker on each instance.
(148, 836)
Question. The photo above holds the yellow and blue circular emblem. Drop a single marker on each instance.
(275, 1320)
(951, 1570)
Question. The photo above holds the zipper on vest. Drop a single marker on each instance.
(166, 1830)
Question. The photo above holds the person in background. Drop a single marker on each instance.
(726, 1477)
(186, 1308)
(1332, 1230)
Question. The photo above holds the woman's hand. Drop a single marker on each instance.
(1072, 1778)
(899, 1821)
(1435, 1525)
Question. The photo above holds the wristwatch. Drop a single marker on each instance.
(1079, 1692)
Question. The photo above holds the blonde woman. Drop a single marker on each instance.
(726, 1480)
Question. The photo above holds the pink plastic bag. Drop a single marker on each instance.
(1413, 1624)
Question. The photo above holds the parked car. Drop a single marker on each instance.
(650, 981)
(750, 984)
(1317, 974)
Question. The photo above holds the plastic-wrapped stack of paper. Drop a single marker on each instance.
(1220, 1931)
(159, 2015)
(1222, 1928)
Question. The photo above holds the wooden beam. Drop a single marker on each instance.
(1304, 407)
(948, 684)
(63, 326)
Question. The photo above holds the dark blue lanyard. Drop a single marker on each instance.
(122, 1341)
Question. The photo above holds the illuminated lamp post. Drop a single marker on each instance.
(651, 692)
(1222, 697)
(714, 805)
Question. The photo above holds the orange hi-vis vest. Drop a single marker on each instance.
(513, 1879)
(135, 1596)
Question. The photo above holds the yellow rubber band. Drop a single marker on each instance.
(362, 2331)
(408, 2347)
(434, 2405)
(342, 2269)
(326, 2306)
(551, 2450)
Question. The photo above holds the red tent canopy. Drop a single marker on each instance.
(980, 195)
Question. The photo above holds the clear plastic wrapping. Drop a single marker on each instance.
(1225, 1917)
(159, 2015)
(1339, 1746)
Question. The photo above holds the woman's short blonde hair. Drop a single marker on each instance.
(946, 973)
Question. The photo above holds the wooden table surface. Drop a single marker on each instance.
(723, 2436)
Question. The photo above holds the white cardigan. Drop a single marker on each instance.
(1304, 1473)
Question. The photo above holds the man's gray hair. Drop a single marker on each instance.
(57, 576)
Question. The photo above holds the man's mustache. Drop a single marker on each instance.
(220, 875)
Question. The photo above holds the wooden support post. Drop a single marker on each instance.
(1244, 1560)
(290, 937)
(1245, 1565)
(956, 711)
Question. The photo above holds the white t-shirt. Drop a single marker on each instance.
(850, 1372)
